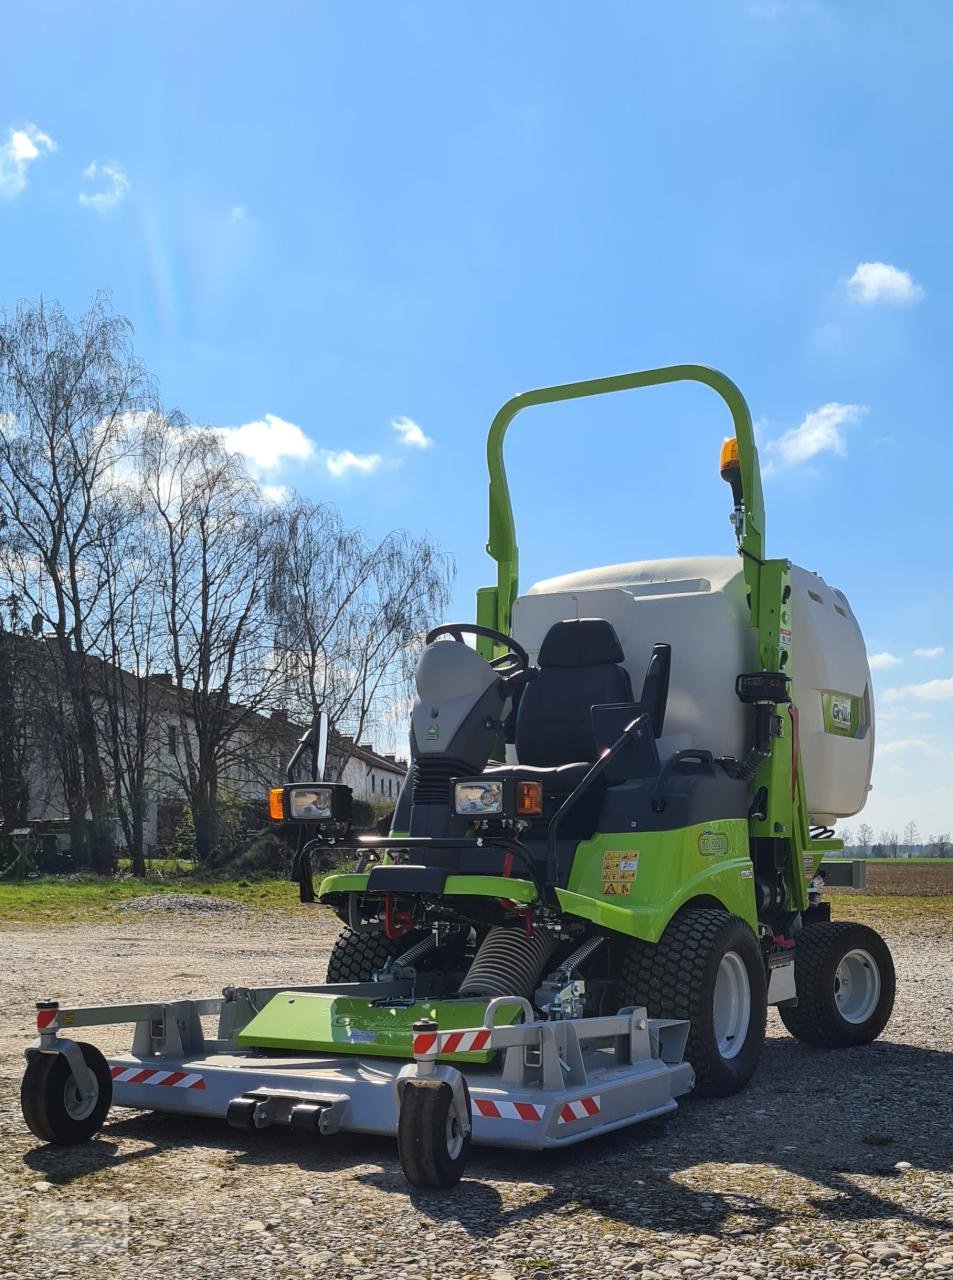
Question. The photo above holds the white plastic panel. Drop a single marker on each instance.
(698, 606)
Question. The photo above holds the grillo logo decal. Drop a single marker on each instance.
(712, 844)
(841, 714)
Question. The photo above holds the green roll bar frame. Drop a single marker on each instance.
(495, 604)
(768, 584)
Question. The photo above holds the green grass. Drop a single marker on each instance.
(75, 898)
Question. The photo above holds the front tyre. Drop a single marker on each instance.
(845, 983)
(51, 1102)
(706, 967)
(356, 957)
(431, 1141)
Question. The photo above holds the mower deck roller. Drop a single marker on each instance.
(604, 864)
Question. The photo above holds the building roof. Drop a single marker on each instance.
(363, 751)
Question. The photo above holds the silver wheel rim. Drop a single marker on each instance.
(454, 1134)
(78, 1108)
(731, 1012)
(857, 986)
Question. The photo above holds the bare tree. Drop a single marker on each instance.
(131, 637)
(865, 835)
(217, 554)
(66, 391)
(14, 789)
(889, 841)
(847, 835)
(350, 616)
(911, 836)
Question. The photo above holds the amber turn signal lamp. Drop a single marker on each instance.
(276, 804)
(529, 799)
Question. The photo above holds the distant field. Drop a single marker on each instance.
(926, 876)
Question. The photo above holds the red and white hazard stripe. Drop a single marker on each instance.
(492, 1110)
(579, 1109)
(451, 1041)
(145, 1075)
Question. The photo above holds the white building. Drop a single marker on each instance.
(372, 777)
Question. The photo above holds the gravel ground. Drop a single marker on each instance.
(830, 1164)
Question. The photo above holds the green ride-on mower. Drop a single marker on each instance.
(603, 866)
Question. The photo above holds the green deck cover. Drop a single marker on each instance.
(352, 1025)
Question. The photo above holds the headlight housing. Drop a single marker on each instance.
(323, 803)
(487, 797)
(477, 798)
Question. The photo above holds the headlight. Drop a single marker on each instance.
(478, 797)
(310, 802)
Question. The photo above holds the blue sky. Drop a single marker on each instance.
(325, 218)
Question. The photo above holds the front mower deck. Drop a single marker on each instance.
(530, 1084)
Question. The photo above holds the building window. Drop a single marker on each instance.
(373, 783)
(390, 784)
(171, 739)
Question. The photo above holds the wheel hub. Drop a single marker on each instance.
(78, 1107)
(857, 986)
(454, 1134)
(731, 1005)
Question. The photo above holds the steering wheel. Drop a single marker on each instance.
(515, 659)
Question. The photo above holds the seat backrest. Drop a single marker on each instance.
(579, 667)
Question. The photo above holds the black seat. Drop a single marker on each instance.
(579, 667)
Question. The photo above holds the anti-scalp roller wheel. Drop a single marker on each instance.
(431, 1140)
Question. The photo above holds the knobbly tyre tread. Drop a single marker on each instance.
(356, 957)
(41, 1097)
(421, 1136)
(815, 1019)
(671, 979)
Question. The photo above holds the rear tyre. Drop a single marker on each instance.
(706, 967)
(356, 957)
(432, 1146)
(50, 1101)
(845, 983)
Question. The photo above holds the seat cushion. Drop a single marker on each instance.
(554, 722)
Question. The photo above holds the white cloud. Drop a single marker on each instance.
(880, 282)
(879, 661)
(410, 434)
(930, 691)
(238, 213)
(929, 653)
(269, 442)
(903, 745)
(822, 431)
(340, 461)
(275, 492)
(21, 148)
(114, 186)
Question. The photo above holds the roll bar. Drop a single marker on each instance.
(494, 604)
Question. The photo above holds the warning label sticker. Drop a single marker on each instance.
(619, 870)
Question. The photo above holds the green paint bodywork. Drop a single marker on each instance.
(312, 1021)
(672, 870)
(708, 860)
(514, 890)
